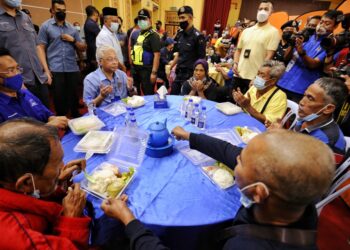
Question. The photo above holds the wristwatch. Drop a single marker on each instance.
(154, 72)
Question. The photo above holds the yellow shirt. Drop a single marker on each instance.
(258, 40)
(275, 109)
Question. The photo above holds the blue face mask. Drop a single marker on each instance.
(13, 3)
(312, 116)
(13, 82)
(259, 83)
(245, 200)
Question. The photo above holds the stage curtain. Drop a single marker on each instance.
(213, 10)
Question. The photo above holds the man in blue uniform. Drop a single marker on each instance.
(190, 46)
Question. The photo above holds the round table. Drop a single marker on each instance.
(170, 195)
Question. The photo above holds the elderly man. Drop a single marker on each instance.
(145, 55)
(31, 168)
(108, 34)
(278, 189)
(16, 101)
(17, 34)
(264, 101)
(307, 58)
(256, 45)
(107, 83)
(59, 41)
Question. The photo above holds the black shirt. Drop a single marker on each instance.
(91, 31)
(151, 42)
(211, 93)
(245, 216)
(279, 55)
(191, 47)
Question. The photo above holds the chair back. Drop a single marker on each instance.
(290, 117)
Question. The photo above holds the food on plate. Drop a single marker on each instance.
(86, 123)
(246, 134)
(108, 180)
(221, 176)
(134, 101)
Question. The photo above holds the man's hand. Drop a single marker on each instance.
(180, 133)
(235, 69)
(105, 90)
(273, 125)
(67, 38)
(49, 77)
(299, 45)
(67, 170)
(60, 122)
(74, 203)
(240, 99)
(153, 78)
(130, 83)
(117, 209)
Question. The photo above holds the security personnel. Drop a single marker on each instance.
(190, 47)
(145, 55)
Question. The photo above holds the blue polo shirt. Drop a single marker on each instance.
(328, 132)
(298, 77)
(93, 81)
(24, 105)
(61, 55)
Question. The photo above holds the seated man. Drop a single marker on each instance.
(316, 110)
(108, 83)
(16, 101)
(31, 167)
(278, 189)
(264, 101)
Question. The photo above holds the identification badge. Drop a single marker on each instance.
(247, 53)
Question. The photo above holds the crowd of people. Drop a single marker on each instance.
(46, 70)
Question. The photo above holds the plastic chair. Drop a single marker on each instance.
(347, 139)
(292, 108)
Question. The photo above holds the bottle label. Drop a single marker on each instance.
(200, 124)
(193, 120)
(186, 114)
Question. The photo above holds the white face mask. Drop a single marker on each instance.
(77, 28)
(36, 192)
(245, 200)
(262, 16)
(114, 27)
(259, 83)
(13, 3)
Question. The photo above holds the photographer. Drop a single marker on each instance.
(305, 65)
(337, 65)
(286, 44)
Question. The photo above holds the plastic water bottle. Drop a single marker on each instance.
(91, 106)
(189, 108)
(127, 115)
(195, 114)
(202, 120)
(132, 123)
(183, 108)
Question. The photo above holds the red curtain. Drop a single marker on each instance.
(213, 10)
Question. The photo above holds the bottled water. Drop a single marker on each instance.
(189, 108)
(132, 123)
(183, 108)
(195, 114)
(202, 120)
(91, 107)
(127, 115)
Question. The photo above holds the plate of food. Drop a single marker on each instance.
(82, 125)
(246, 134)
(134, 101)
(220, 175)
(108, 180)
(96, 142)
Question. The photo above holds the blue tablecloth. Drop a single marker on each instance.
(171, 192)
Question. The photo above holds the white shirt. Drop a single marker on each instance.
(109, 38)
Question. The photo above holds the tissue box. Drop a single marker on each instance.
(160, 103)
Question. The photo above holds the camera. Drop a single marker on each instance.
(341, 40)
(343, 68)
(304, 34)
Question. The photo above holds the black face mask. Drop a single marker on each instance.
(184, 25)
(310, 31)
(158, 27)
(287, 35)
(60, 15)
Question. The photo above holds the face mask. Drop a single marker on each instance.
(36, 192)
(310, 31)
(184, 25)
(60, 16)
(77, 28)
(13, 3)
(259, 83)
(245, 200)
(262, 16)
(13, 82)
(321, 31)
(287, 35)
(114, 27)
(312, 116)
(143, 24)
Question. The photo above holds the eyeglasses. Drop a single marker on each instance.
(110, 59)
(12, 70)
